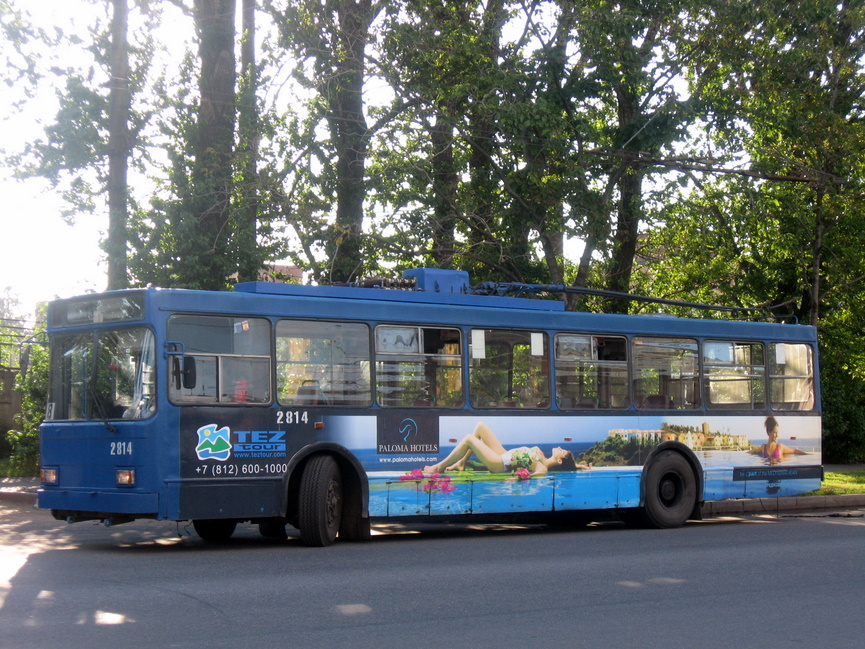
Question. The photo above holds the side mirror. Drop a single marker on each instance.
(185, 377)
(189, 378)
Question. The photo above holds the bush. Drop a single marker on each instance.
(843, 411)
(32, 385)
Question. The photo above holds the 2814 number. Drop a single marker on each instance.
(121, 448)
(292, 417)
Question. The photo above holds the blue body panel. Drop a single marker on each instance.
(172, 482)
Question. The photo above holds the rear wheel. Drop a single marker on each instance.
(216, 530)
(671, 491)
(320, 504)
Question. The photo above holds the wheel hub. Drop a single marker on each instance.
(669, 490)
(332, 503)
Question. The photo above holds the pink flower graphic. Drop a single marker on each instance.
(416, 476)
(434, 482)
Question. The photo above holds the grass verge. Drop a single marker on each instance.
(837, 484)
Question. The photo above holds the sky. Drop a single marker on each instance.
(41, 257)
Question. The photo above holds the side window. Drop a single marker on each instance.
(735, 374)
(509, 369)
(418, 366)
(321, 363)
(791, 376)
(666, 373)
(224, 360)
(591, 371)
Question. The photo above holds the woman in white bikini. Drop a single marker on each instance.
(495, 457)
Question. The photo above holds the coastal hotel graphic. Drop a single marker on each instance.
(697, 439)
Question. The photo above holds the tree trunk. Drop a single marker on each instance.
(118, 148)
(250, 261)
(208, 259)
(445, 183)
(625, 238)
(351, 135)
(630, 186)
(817, 259)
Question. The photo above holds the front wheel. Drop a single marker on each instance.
(216, 530)
(670, 489)
(320, 505)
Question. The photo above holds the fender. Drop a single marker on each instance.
(346, 460)
(692, 460)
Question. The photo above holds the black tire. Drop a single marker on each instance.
(321, 501)
(272, 528)
(354, 528)
(217, 530)
(670, 491)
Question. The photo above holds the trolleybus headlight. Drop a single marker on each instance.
(125, 477)
(48, 476)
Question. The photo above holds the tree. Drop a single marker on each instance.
(209, 221)
(31, 383)
(788, 93)
(442, 60)
(785, 89)
(333, 35)
(530, 135)
(202, 229)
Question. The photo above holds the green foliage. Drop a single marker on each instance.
(329, 42)
(842, 373)
(787, 231)
(23, 45)
(843, 414)
(32, 385)
(12, 331)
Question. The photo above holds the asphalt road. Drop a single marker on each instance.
(751, 581)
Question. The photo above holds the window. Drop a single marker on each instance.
(591, 371)
(666, 373)
(97, 310)
(109, 374)
(735, 374)
(791, 376)
(219, 359)
(509, 369)
(322, 363)
(418, 366)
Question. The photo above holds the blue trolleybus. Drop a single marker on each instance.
(325, 408)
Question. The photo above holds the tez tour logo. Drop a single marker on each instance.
(213, 444)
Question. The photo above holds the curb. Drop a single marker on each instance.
(780, 505)
(26, 495)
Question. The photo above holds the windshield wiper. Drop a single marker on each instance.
(100, 410)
